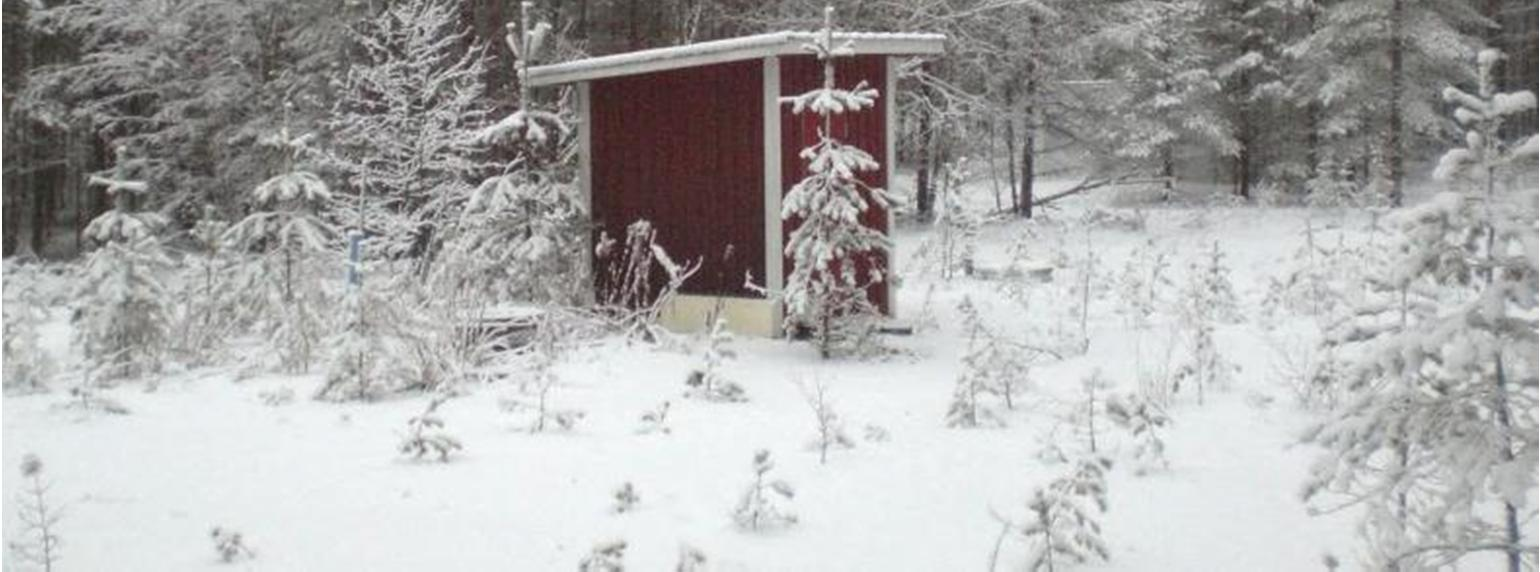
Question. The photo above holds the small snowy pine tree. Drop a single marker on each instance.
(1062, 517)
(830, 427)
(608, 556)
(39, 519)
(124, 318)
(289, 234)
(26, 365)
(1143, 420)
(425, 434)
(759, 508)
(707, 382)
(825, 293)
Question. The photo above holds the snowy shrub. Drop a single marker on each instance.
(123, 318)
(379, 348)
(86, 397)
(951, 245)
(229, 545)
(691, 559)
(26, 365)
(1062, 524)
(542, 357)
(1208, 367)
(1437, 438)
(707, 381)
(655, 421)
(1209, 296)
(825, 293)
(1128, 220)
(628, 295)
(1143, 420)
(211, 310)
(626, 498)
(276, 397)
(425, 434)
(759, 507)
(993, 368)
(608, 556)
(1308, 368)
(288, 236)
(828, 424)
(39, 520)
(1088, 408)
(1320, 280)
(1143, 289)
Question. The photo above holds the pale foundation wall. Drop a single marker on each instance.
(745, 316)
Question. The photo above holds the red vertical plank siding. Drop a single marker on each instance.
(866, 129)
(683, 149)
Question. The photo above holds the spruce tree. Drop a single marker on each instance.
(825, 293)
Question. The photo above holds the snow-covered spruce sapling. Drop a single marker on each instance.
(425, 434)
(289, 235)
(626, 498)
(542, 355)
(1209, 295)
(210, 309)
(26, 365)
(520, 235)
(375, 348)
(707, 381)
(230, 545)
(1063, 518)
(957, 225)
(655, 421)
(829, 427)
(1208, 367)
(1087, 408)
(39, 520)
(992, 369)
(1143, 420)
(607, 556)
(124, 317)
(826, 291)
(1438, 440)
(759, 507)
(1142, 288)
(691, 559)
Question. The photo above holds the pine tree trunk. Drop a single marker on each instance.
(924, 193)
(1393, 144)
(1010, 158)
(1167, 171)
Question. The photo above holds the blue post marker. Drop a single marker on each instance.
(355, 253)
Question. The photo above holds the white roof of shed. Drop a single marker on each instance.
(729, 50)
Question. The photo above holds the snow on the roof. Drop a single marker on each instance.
(734, 49)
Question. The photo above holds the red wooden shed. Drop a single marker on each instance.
(694, 139)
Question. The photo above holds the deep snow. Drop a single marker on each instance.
(319, 486)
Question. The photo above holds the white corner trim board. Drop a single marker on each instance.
(729, 50)
(774, 279)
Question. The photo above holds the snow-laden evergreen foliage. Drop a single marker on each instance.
(38, 517)
(404, 124)
(425, 434)
(374, 351)
(626, 498)
(760, 506)
(287, 238)
(1063, 518)
(124, 317)
(211, 309)
(958, 226)
(830, 427)
(26, 365)
(707, 381)
(826, 292)
(1438, 440)
(608, 556)
(1374, 68)
(1143, 420)
(1322, 279)
(230, 545)
(1209, 296)
(994, 368)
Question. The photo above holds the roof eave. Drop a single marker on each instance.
(737, 49)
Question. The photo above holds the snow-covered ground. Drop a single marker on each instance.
(320, 486)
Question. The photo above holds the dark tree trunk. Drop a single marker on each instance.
(924, 191)
(1394, 154)
(1010, 149)
(1028, 161)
